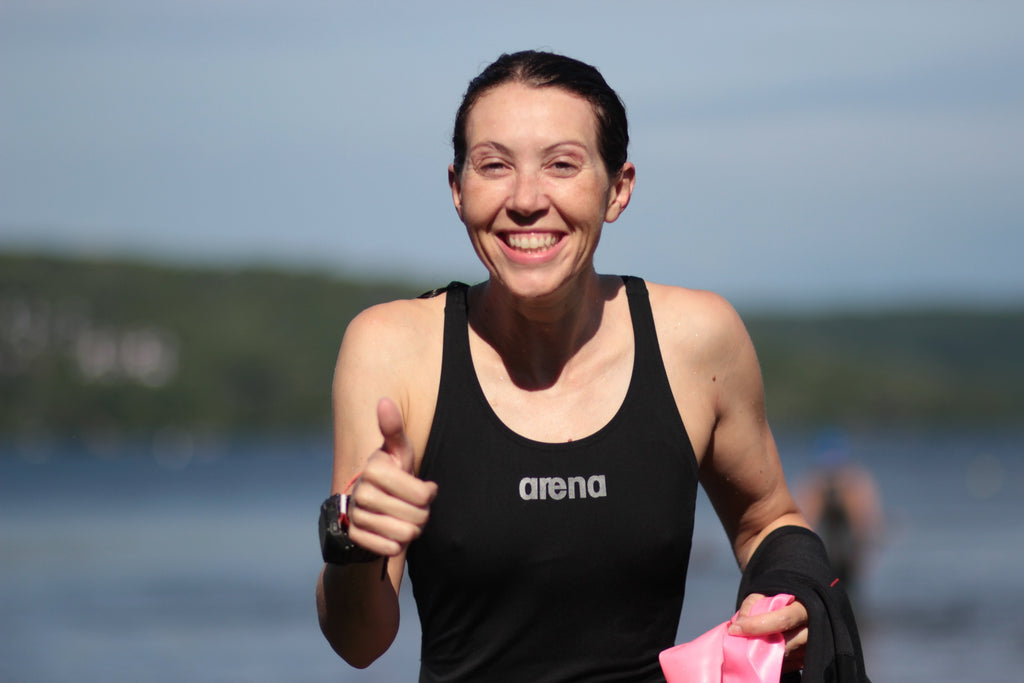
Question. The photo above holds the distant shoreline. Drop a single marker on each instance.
(105, 345)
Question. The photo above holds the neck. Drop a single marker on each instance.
(537, 339)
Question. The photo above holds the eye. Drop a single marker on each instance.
(564, 167)
(491, 167)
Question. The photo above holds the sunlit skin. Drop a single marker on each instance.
(552, 345)
(534, 192)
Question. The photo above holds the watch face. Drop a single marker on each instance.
(335, 545)
(330, 513)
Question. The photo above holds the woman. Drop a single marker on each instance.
(532, 444)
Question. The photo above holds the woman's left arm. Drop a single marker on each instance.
(742, 474)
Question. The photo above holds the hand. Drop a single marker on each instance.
(790, 621)
(389, 505)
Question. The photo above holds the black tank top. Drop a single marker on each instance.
(553, 561)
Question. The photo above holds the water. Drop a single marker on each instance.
(190, 560)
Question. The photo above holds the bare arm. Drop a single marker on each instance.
(744, 480)
(358, 611)
(740, 469)
(717, 384)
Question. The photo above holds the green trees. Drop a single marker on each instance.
(113, 346)
(90, 346)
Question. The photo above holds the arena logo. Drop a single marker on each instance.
(558, 488)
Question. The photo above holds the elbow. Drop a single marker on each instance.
(748, 540)
(356, 659)
(360, 642)
(358, 649)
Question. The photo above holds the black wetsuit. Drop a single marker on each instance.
(553, 562)
(792, 560)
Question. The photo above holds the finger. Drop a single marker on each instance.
(749, 602)
(382, 523)
(396, 443)
(796, 640)
(383, 474)
(389, 544)
(394, 528)
(736, 626)
(785, 619)
(388, 507)
(409, 501)
(796, 650)
(374, 542)
(778, 621)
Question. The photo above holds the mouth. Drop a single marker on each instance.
(530, 242)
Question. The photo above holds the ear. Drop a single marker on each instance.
(456, 187)
(620, 191)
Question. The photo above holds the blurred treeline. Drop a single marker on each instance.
(96, 347)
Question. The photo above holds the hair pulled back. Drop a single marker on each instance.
(543, 70)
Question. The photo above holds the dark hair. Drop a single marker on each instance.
(546, 69)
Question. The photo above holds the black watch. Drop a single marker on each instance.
(335, 545)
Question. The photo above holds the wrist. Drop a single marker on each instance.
(336, 547)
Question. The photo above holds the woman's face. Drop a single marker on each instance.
(534, 192)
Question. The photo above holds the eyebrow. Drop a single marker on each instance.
(497, 146)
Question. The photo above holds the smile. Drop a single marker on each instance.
(531, 241)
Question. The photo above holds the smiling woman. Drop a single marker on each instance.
(532, 445)
(534, 192)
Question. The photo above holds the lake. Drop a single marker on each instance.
(194, 559)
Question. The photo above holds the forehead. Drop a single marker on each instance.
(518, 109)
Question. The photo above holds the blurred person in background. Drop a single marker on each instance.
(840, 499)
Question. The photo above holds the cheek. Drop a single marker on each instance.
(475, 218)
(480, 203)
(471, 214)
(591, 207)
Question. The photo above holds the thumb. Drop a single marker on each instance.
(743, 614)
(392, 428)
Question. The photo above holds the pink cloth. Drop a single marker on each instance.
(717, 657)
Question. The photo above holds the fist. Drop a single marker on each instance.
(389, 505)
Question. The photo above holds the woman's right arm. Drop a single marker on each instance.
(356, 604)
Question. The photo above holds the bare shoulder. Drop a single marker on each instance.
(703, 322)
(391, 350)
(394, 330)
(716, 380)
(707, 355)
(390, 345)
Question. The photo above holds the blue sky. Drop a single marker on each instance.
(788, 154)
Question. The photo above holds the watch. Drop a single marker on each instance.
(335, 545)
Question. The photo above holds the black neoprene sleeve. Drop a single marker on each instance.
(793, 560)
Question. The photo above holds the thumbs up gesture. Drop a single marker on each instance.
(389, 505)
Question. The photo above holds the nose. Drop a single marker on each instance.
(528, 199)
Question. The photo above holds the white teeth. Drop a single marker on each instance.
(531, 241)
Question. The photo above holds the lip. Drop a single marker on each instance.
(530, 246)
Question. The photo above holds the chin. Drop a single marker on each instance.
(537, 285)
